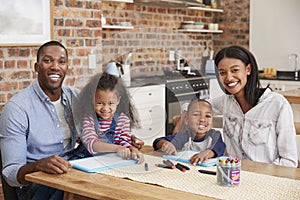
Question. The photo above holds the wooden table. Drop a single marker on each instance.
(81, 185)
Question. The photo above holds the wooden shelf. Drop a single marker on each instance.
(120, 1)
(116, 27)
(200, 30)
(205, 9)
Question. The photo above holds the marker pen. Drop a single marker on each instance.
(186, 167)
(164, 166)
(180, 167)
(146, 167)
(207, 172)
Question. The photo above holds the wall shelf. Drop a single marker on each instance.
(120, 1)
(116, 27)
(205, 9)
(200, 30)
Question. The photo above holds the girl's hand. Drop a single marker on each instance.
(168, 148)
(202, 156)
(124, 152)
(136, 142)
(137, 155)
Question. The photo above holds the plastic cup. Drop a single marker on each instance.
(228, 174)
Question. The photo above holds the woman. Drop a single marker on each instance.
(258, 124)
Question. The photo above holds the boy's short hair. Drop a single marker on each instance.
(198, 100)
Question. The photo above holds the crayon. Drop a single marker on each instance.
(164, 166)
(207, 172)
(168, 162)
(146, 167)
(186, 167)
(180, 167)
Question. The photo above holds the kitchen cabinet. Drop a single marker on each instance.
(214, 88)
(279, 85)
(150, 104)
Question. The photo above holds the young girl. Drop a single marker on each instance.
(109, 130)
(258, 124)
(199, 136)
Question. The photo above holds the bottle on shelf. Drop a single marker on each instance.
(103, 20)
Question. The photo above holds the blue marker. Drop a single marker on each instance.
(146, 167)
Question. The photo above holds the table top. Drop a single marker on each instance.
(100, 186)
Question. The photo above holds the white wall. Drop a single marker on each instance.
(275, 32)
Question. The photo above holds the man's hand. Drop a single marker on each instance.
(136, 142)
(53, 165)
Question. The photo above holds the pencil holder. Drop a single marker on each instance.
(228, 171)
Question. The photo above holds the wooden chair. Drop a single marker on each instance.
(8, 191)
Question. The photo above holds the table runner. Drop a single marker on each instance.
(252, 185)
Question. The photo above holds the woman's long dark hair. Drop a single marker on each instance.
(253, 89)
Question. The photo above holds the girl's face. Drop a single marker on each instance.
(106, 103)
(233, 75)
(200, 118)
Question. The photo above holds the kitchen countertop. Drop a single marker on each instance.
(138, 81)
(283, 76)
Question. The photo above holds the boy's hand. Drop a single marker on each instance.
(168, 148)
(202, 156)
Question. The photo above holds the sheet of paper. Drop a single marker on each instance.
(184, 156)
(100, 162)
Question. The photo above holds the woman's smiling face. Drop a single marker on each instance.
(233, 75)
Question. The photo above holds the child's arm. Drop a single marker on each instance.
(202, 156)
(136, 155)
(167, 147)
(122, 151)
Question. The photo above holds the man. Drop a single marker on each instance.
(37, 131)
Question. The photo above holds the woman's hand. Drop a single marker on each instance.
(202, 156)
(137, 155)
(136, 142)
(168, 148)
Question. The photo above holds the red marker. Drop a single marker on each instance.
(180, 167)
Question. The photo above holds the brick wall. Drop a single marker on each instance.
(77, 24)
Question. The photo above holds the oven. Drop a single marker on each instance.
(183, 90)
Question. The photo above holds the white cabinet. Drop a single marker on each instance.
(150, 104)
(278, 85)
(214, 88)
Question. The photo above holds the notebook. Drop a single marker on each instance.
(101, 162)
(184, 156)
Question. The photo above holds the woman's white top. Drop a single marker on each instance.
(266, 133)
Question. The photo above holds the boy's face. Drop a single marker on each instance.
(200, 118)
(106, 103)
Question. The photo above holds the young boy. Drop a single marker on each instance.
(199, 136)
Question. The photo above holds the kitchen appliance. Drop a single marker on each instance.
(182, 89)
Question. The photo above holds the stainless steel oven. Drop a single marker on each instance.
(182, 90)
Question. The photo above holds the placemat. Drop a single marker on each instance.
(252, 185)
